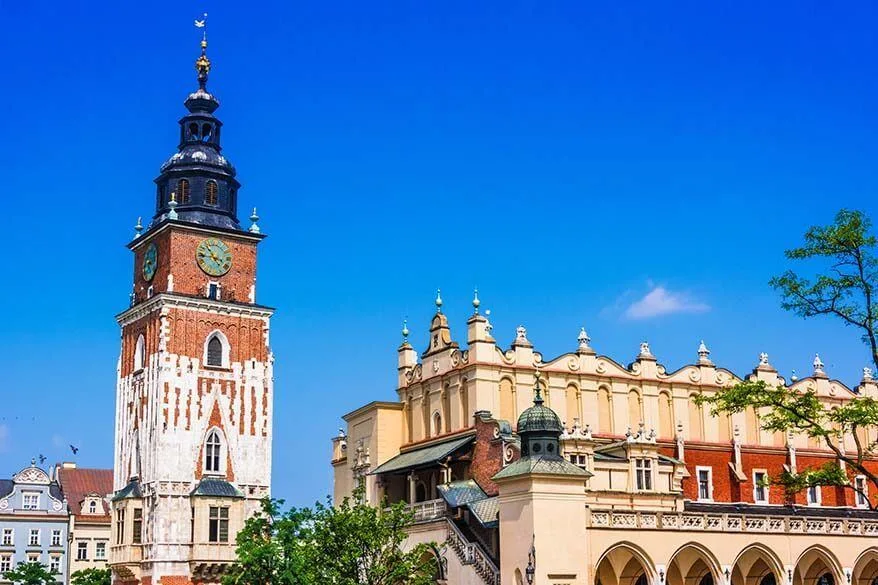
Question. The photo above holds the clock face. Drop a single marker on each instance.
(150, 261)
(214, 256)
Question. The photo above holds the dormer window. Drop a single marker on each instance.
(211, 193)
(183, 191)
(92, 507)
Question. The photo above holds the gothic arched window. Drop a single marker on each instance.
(215, 352)
(138, 353)
(183, 191)
(212, 451)
(210, 193)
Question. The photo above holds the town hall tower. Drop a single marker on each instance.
(195, 388)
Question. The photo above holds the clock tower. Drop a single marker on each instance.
(194, 385)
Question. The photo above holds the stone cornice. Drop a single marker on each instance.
(172, 300)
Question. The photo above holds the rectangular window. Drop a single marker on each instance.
(5, 563)
(705, 484)
(33, 557)
(100, 551)
(8, 533)
(56, 538)
(137, 537)
(579, 460)
(213, 291)
(862, 492)
(813, 494)
(82, 551)
(643, 474)
(33, 538)
(30, 500)
(120, 526)
(55, 564)
(760, 487)
(218, 528)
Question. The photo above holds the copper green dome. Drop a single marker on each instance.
(539, 418)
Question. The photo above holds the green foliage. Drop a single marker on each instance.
(349, 544)
(846, 286)
(91, 577)
(31, 573)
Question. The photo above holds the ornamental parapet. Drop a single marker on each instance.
(719, 522)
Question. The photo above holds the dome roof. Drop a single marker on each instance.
(539, 419)
(198, 155)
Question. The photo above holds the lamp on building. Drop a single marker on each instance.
(531, 565)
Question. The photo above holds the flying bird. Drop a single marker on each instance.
(74, 449)
(42, 458)
(199, 23)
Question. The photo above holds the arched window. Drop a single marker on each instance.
(635, 414)
(572, 402)
(183, 191)
(696, 420)
(507, 400)
(437, 424)
(212, 452)
(205, 132)
(666, 417)
(215, 352)
(605, 411)
(210, 193)
(193, 131)
(751, 420)
(138, 353)
(92, 507)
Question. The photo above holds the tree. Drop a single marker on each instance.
(844, 289)
(350, 544)
(31, 573)
(91, 577)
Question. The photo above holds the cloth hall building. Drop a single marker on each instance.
(594, 472)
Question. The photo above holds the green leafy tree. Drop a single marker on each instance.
(844, 287)
(349, 544)
(91, 577)
(31, 573)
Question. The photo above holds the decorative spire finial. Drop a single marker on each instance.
(583, 339)
(818, 364)
(644, 350)
(763, 359)
(703, 352)
(476, 301)
(254, 228)
(172, 214)
(538, 397)
(405, 330)
(438, 300)
(202, 64)
(867, 374)
(138, 228)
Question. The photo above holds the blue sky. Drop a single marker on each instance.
(637, 168)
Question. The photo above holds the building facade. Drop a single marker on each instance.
(195, 386)
(87, 492)
(33, 522)
(601, 473)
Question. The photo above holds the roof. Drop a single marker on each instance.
(424, 456)
(803, 511)
(486, 511)
(539, 419)
(218, 488)
(132, 490)
(541, 465)
(460, 493)
(6, 487)
(77, 483)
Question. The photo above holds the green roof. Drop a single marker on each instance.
(486, 511)
(424, 456)
(459, 493)
(218, 488)
(541, 466)
(132, 490)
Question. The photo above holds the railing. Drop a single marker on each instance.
(732, 523)
(428, 511)
(471, 553)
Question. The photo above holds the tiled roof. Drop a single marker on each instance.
(486, 511)
(77, 483)
(459, 493)
(541, 466)
(132, 490)
(218, 488)
(424, 456)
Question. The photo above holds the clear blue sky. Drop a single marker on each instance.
(583, 163)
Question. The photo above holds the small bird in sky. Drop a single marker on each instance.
(42, 458)
(74, 449)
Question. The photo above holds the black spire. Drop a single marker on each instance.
(197, 177)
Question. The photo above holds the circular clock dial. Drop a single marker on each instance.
(150, 261)
(214, 256)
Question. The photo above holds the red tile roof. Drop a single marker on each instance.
(77, 483)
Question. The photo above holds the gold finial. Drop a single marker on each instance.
(202, 64)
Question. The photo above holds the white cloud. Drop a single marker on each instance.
(661, 301)
(4, 438)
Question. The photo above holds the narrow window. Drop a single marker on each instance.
(81, 551)
(7, 536)
(212, 450)
(34, 537)
(210, 193)
(100, 551)
(5, 563)
(643, 474)
(55, 564)
(56, 538)
(183, 192)
(137, 537)
(813, 494)
(218, 528)
(705, 484)
(92, 507)
(120, 526)
(437, 424)
(760, 487)
(862, 492)
(193, 131)
(215, 352)
(205, 132)
(138, 358)
(213, 291)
